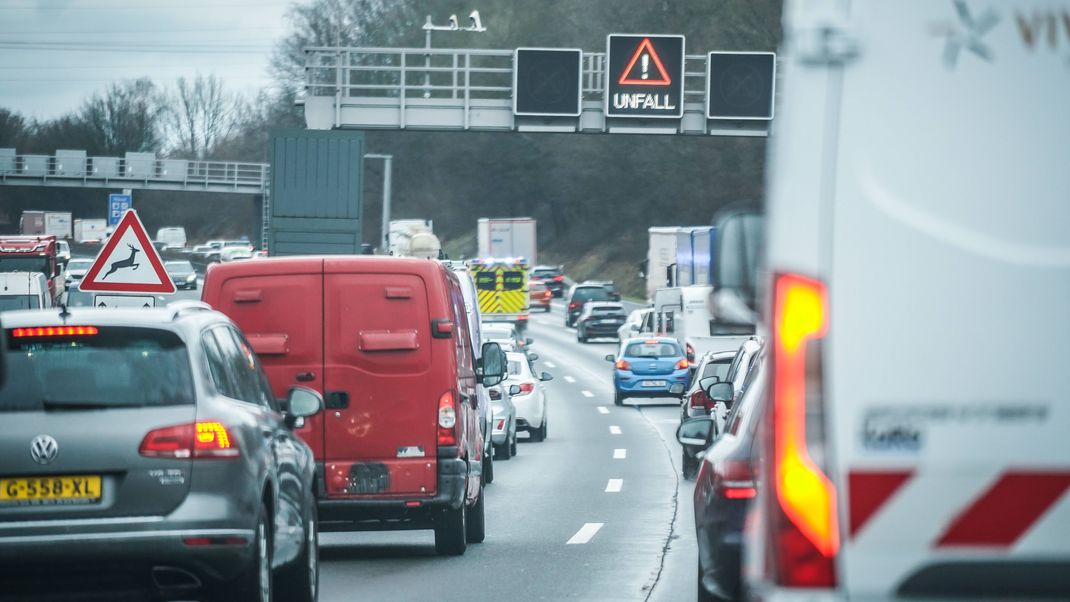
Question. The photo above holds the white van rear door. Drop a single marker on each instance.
(948, 269)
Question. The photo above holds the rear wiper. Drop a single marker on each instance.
(50, 404)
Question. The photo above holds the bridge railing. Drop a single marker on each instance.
(448, 73)
(134, 168)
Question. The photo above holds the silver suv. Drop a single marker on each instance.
(144, 450)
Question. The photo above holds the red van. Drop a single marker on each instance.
(386, 341)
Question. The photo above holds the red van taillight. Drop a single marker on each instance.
(447, 420)
(202, 439)
(803, 527)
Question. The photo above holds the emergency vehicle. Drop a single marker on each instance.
(503, 289)
(33, 254)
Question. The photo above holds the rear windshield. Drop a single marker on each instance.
(611, 309)
(591, 293)
(12, 302)
(653, 350)
(117, 367)
(25, 264)
(718, 369)
(179, 267)
(544, 273)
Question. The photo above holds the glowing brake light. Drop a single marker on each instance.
(623, 365)
(804, 506)
(734, 480)
(682, 364)
(447, 420)
(202, 439)
(559, 278)
(54, 331)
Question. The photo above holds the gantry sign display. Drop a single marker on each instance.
(644, 76)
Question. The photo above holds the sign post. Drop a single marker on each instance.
(644, 76)
(740, 85)
(547, 82)
(128, 263)
(118, 204)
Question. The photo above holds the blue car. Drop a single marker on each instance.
(653, 367)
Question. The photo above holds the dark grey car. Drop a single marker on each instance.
(143, 451)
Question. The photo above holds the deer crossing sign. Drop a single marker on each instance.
(128, 263)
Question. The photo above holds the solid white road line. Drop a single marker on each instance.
(620, 454)
(550, 364)
(587, 393)
(569, 379)
(614, 430)
(603, 410)
(614, 485)
(585, 533)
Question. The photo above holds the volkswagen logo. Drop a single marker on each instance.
(43, 449)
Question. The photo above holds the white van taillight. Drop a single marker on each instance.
(202, 439)
(447, 420)
(803, 527)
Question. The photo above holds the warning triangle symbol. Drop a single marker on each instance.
(644, 62)
(128, 263)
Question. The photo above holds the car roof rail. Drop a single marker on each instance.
(185, 306)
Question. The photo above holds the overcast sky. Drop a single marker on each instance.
(54, 53)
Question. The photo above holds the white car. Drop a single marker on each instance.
(633, 326)
(503, 421)
(229, 254)
(77, 268)
(528, 395)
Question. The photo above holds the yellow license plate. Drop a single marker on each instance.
(50, 490)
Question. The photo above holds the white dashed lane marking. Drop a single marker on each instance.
(603, 410)
(614, 485)
(550, 364)
(614, 430)
(585, 533)
(569, 379)
(587, 393)
(620, 454)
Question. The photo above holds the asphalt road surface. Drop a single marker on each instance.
(596, 512)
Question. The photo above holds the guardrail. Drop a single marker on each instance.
(74, 168)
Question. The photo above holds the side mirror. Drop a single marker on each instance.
(514, 389)
(696, 434)
(546, 376)
(491, 367)
(533, 356)
(719, 391)
(529, 341)
(611, 358)
(705, 383)
(301, 402)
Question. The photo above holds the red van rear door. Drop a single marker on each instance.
(278, 304)
(381, 397)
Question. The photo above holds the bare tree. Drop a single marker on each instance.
(125, 118)
(13, 129)
(201, 115)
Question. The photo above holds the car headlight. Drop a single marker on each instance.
(191, 278)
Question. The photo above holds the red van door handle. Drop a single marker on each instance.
(305, 377)
(336, 400)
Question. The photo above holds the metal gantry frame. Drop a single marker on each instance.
(462, 89)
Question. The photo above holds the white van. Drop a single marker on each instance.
(919, 240)
(24, 290)
(173, 237)
(683, 313)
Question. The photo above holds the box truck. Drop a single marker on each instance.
(90, 230)
(507, 238)
(46, 223)
(679, 256)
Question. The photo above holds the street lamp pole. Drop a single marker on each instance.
(388, 169)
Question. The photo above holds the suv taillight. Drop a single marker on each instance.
(202, 439)
(802, 508)
(700, 401)
(525, 389)
(447, 420)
